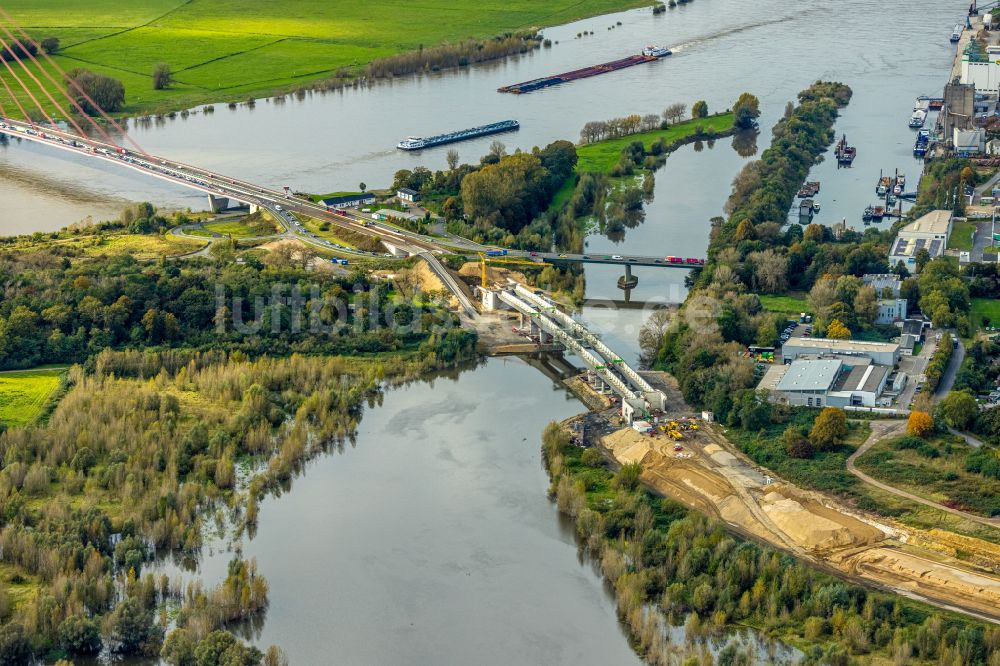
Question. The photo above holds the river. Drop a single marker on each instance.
(432, 540)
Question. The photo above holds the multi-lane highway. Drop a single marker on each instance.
(285, 208)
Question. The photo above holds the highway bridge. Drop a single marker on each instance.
(605, 368)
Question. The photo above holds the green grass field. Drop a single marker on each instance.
(984, 309)
(23, 395)
(784, 304)
(961, 235)
(600, 157)
(223, 50)
(142, 247)
(234, 228)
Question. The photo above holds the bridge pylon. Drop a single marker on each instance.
(217, 204)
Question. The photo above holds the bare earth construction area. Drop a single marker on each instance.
(709, 476)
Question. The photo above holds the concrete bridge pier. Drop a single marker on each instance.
(217, 204)
(628, 281)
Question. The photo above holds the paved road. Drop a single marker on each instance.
(882, 430)
(948, 378)
(982, 241)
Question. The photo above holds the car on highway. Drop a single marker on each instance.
(562, 256)
(617, 257)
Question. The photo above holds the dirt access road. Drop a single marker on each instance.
(711, 476)
(882, 430)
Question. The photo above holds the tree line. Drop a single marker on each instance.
(601, 130)
(63, 308)
(671, 566)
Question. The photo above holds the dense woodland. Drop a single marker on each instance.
(62, 309)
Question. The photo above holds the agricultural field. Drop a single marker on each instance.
(601, 156)
(24, 394)
(222, 50)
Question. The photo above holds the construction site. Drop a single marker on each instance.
(640, 417)
(690, 460)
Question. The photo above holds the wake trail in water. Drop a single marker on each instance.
(735, 30)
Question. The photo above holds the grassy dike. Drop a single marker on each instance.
(229, 50)
(668, 564)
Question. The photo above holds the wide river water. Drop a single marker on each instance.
(432, 540)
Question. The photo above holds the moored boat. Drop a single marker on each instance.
(882, 187)
(845, 153)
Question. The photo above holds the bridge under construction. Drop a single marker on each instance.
(606, 370)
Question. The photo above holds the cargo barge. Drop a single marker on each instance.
(416, 142)
(649, 54)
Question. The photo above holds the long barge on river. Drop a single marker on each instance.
(649, 54)
(416, 142)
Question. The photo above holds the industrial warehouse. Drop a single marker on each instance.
(820, 372)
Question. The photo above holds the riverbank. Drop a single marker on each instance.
(633, 534)
(602, 156)
(221, 51)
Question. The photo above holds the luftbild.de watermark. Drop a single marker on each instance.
(314, 310)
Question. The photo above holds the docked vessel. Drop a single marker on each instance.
(922, 142)
(922, 103)
(806, 209)
(845, 153)
(918, 118)
(649, 54)
(811, 188)
(956, 34)
(416, 142)
(883, 185)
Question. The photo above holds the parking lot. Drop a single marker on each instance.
(796, 330)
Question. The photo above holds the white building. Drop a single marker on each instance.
(883, 353)
(929, 232)
(891, 307)
(406, 194)
(969, 142)
(981, 70)
(890, 310)
(886, 285)
(827, 382)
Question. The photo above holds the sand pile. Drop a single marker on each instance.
(814, 526)
(933, 578)
(629, 446)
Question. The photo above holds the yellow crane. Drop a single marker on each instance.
(502, 260)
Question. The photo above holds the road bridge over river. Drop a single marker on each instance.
(606, 368)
